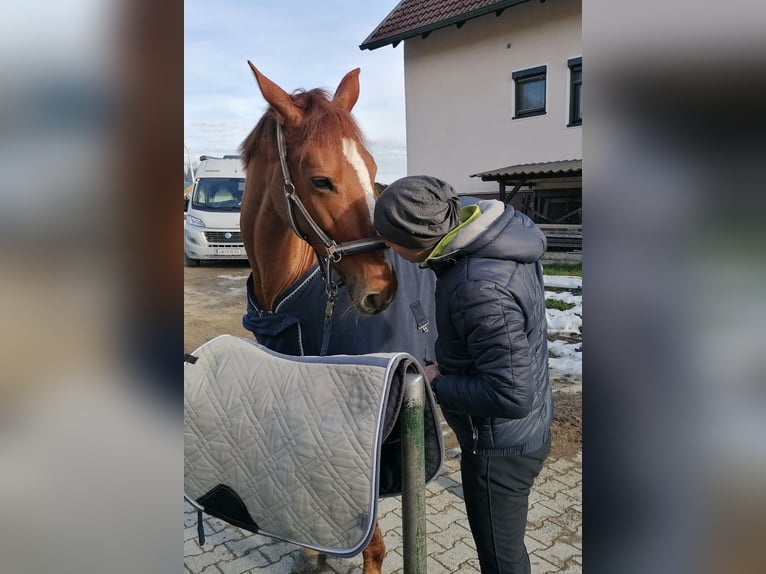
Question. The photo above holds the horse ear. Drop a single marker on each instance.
(291, 113)
(348, 90)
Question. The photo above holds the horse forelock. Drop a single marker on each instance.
(324, 123)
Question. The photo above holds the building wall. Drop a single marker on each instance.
(459, 93)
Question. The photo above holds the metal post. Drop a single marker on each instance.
(413, 475)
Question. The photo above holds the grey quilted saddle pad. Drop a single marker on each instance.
(298, 448)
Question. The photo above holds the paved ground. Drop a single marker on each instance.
(554, 535)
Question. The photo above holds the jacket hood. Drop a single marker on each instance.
(499, 232)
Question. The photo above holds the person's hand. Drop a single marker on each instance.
(431, 371)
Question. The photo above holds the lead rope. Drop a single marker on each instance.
(331, 288)
(332, 295)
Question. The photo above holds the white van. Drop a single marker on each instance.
(211, 227)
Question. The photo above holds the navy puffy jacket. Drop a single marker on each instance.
(492, 346)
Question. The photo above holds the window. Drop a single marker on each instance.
(575, 91)
(530, 92)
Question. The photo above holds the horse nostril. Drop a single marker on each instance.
(374, 303)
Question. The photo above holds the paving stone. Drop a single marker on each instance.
(456, 556)
(190, 533)
(224, 535)
(536, 496)
(547, 531)
(550, 487)
(438, 502)
(571, 478)
(538, 513)
(389, 504)
(442, 482)
(244, 545)
(433, 566)
(534, 545)
(442, 520)
(389, 521)
(275, 549)
(559, 465)
(570, 518)
(542, 566)
(575, 492)
(192, 548)
(472, 565)
(393, 538)
(393, 562)
(283, 567)
(190, 518)
(244, 563)
(213, 524)
(559, 502)
(447, 537)
(560, 553)
(214, 556)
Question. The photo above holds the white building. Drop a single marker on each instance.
(493, 98)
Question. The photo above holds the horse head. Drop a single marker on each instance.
(332, 174)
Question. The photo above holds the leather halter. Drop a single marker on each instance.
(333, 251)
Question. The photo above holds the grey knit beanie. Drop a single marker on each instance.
(417, 211)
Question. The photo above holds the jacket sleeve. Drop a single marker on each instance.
(492, 326)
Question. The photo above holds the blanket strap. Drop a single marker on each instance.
(200, 528)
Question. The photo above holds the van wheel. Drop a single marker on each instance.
(190, 262)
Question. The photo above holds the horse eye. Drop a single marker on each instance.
(322, 184)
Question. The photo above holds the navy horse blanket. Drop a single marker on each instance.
(295, 326)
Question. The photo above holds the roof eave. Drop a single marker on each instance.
(499, 7)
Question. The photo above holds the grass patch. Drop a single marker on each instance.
(556, 304)
(574, 269)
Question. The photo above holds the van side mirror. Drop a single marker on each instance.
(186, 203)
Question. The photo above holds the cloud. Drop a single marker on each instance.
(300, 44)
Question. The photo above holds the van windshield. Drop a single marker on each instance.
(218, 194)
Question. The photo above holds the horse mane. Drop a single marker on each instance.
(323, 123)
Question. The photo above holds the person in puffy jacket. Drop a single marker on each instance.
(491, 373)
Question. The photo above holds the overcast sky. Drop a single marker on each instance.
(297, 44)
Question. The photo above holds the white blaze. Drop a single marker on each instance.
(355, 159)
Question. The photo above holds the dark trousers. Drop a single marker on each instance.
(496, 494)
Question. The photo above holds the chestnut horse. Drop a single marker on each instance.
(307, 214)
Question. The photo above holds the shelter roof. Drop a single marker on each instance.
(549, 169)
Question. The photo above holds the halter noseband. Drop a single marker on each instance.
(334, 251)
